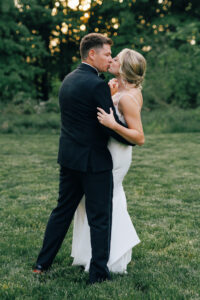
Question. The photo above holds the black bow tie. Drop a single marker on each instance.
(102, 76)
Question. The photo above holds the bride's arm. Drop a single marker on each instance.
(103, 100)
(131, 112)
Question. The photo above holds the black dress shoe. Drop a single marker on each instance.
(99, 280)
(82, 268)
(38, 269)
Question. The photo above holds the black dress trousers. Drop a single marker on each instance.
(98, 190)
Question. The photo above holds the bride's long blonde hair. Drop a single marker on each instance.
(132, 67)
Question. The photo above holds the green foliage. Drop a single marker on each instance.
(167, 36)
(16, 75)
(171, 77)
(165, 32)
(58, 59)
(29, 117)
(52, 105)
(171, 120)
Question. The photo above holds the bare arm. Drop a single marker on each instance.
(103, 100)
(131, 112)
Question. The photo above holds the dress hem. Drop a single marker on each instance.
(85, 265)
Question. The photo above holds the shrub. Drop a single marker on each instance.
(172, 78)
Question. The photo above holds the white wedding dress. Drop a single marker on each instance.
(123, 234)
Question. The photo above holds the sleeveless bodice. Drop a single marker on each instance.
(116, 104)
(121, 153)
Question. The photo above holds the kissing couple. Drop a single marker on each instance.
(100, 123)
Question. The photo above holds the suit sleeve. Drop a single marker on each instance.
(103, 99)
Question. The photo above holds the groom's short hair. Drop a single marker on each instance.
(93, 40)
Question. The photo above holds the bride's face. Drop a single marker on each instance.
(114, 66)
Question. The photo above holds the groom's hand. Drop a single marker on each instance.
(105, 119)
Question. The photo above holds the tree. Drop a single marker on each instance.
(40, 44)
(17, 71)
(57, 27)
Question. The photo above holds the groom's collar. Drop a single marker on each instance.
(91, 67)
(88, 67)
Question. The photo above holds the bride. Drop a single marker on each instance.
(128, 67)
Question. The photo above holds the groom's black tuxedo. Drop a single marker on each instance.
(86, 168)
(83, 141)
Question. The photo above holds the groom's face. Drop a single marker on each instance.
(102, 58)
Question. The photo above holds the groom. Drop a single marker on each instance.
(85, 162)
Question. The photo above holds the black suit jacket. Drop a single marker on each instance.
(83, 140)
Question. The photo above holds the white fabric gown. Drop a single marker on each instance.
(123, 234)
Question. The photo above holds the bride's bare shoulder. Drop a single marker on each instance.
(133, 96)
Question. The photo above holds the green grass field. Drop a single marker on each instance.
(162, 189)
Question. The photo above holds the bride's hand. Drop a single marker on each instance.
(113, 84)
(105, 119)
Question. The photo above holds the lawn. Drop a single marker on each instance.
(162, 189)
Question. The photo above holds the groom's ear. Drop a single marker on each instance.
(91, 54)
